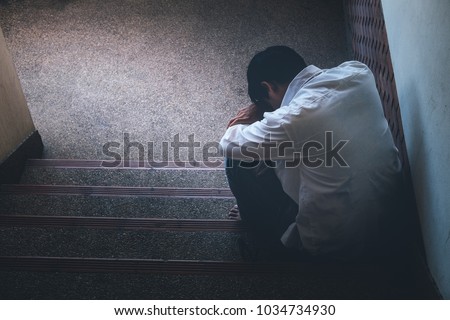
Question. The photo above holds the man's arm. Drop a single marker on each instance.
(248, 115)
(249, 139)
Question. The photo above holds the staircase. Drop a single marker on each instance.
(73, 229)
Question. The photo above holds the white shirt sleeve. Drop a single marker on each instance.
(262, 140)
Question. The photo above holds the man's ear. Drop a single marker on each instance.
(270, 87)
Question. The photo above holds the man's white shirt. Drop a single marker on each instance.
(332, 122)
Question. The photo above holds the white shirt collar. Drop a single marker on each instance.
(299, 81)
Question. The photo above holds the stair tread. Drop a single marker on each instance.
(129, 207)
(132, 177)
(128, 286)
(118, 243)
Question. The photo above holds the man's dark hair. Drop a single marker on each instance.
(276, 65)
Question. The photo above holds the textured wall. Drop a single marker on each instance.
(420, 50)
(15, 120)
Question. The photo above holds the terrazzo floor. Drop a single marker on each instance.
(95, 71)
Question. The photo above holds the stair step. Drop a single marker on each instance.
(70, 264)
(117, 243)
(138, 231)
(116, 191)
(94, 278)
(153, 286)
(55, 172)
(150, 224)
(127, 207)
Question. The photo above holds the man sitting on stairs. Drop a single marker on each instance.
(311, 161)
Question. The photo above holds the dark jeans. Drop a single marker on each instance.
(264, 207)
(267, 211)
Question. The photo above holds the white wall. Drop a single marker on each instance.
(15, 120)
(419, 39)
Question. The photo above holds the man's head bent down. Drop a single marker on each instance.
(269, 74)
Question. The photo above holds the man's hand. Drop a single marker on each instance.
(247, 115)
